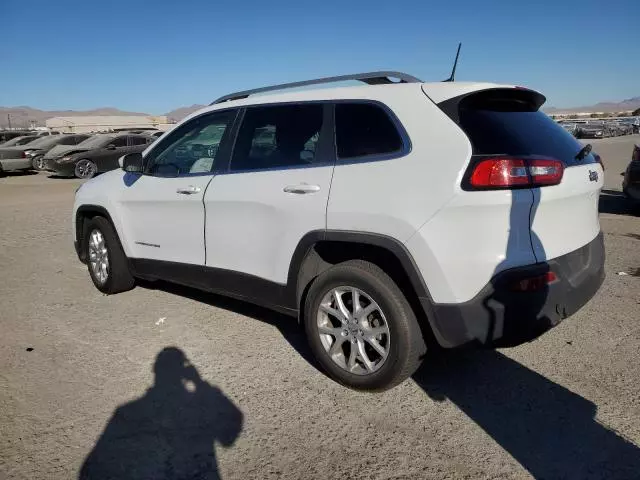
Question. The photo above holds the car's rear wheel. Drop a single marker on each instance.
(39, 163)
(107, 263)
(361, 328)
(85, 169)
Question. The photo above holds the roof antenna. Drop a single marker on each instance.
(455, 64)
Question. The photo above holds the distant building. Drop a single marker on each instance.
(106, 123)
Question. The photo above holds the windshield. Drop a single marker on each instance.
(95, 141)
(43, 142)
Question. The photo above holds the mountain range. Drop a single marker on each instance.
(23, 116)
(607, 107)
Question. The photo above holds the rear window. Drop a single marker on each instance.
(503, 126)
(364, 129)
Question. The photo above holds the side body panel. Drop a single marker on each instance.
(253, 226)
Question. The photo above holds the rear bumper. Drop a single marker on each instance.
(15, 164)
(499, 316)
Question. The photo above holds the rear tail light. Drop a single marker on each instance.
(23, 155)
(507, 172)
(534, 284)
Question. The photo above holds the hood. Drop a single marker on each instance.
(60, 150)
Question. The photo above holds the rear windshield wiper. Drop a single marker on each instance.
(584, 151)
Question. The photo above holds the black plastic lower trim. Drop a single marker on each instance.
(216, 280)
(499, 316)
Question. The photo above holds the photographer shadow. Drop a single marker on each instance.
(168, 433)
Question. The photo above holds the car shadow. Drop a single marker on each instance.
(551, 431)
(288, 326)
(613, 201)
(168, 433)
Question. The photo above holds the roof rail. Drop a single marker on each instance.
(370, 78)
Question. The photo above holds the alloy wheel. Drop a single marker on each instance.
(353, 330)
(98, 256)
(85, 169)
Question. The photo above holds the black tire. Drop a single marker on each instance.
(406, 346)
(119, 278)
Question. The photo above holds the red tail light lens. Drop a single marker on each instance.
(497, 173)
(534, 284)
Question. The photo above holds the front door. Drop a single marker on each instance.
(274, 192)
(106, 158)
(163, 208)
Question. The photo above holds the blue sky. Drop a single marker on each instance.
(153, 56)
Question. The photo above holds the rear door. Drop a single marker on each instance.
(563, 217)
(274, 192)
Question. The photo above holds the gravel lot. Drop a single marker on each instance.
(77, 376)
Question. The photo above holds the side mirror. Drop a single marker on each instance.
(111, 146)
(131, 162)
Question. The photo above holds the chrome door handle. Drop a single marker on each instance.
(302, 188)
(190, 190)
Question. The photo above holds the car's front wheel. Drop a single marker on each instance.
(107, 263)
(85, 169)
(361, 328)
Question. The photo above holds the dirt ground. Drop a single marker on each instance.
(88, 380)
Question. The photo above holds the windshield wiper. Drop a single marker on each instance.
(584, 151)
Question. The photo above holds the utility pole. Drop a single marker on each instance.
(9, 120)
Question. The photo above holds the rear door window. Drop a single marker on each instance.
(279, 136)
(497, 125)
(119, 142)
(137, 141)
(364, 129)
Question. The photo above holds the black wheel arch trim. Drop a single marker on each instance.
(298, 277)
(79, 223)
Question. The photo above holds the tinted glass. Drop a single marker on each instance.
(364, 129)
(71, 140)
(80, 138)
(138, 141)
(192, 148)
(119, 142)
(494, 132)
(278, 137)
(96, 141)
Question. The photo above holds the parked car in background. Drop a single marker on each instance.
(20, 157)
(6, 135)
(54, 142)
(570, 127)
(631, 181)
(17, 141)
(97, 154)
(626, 126)
(597, 129)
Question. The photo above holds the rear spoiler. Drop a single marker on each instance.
(492, 98)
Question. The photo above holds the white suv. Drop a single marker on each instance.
(382, 216)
